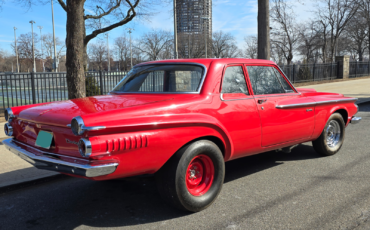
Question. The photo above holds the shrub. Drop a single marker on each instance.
(92, 87)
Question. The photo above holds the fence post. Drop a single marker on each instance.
(293, 72)
(368, 68)
(313, 71)
(33, 87)
(331, 70)
(355, 69)
(101, 82)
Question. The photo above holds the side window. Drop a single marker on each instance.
(284, 83)
(264, 80)
(234, 81)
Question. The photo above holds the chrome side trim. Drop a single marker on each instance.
(169, 63)
(314, 103)
(54, 164)
(355, 120)
(85, 128)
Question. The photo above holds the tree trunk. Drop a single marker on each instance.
(75, 49)
(263, 29)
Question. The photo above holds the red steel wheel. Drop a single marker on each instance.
(199, 175)
(192, 179)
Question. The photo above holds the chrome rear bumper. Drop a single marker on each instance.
(355, 120)
(54, 163)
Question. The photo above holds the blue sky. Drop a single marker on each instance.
(238, 17)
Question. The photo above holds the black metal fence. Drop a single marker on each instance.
(359, 69)
(31, 88)
(298, 73)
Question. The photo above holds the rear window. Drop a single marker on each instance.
(162, 78)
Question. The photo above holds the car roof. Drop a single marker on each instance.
(207, 61)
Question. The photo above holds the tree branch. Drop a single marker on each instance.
(63, 5)
(131, 13)
(118, 3)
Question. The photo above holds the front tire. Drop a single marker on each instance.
(192, 179)
(332, 137)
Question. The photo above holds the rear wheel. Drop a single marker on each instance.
(332, 137)
(192, 179)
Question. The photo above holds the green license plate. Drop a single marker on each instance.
(44, 139)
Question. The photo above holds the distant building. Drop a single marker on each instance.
(189, 17)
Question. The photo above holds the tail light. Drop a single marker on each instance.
(8, 129)
(84, 147)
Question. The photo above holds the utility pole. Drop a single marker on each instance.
(33, 47)
(16, 50)
(130, 31)
(176, 56)
(55, 47)
(107, 35)
(205, 34)
(42, 60)
(263, 30)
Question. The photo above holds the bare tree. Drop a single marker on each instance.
(334, 15)
(97, 55)
(364, 11)
(122, 46)
(153, 43)
(24, 47)
(285, 35)
(251, 47)
(48, 44)
(356, 33)
(223, 44)
(95, 17)
(309, 41)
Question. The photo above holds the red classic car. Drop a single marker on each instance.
(179, 120)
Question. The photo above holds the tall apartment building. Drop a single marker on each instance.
(189, 16)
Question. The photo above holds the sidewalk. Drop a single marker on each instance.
(359, 88)
(14, 170)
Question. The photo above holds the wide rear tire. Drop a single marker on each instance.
(332, 137)
(192, 179)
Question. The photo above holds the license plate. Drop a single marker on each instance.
(44, 139)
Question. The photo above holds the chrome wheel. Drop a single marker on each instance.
(333, 134)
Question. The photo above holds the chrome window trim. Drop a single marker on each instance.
(169, 63)
(237, 99)
(50, 163)
(277, 95)
(286, 78)
(314, 103)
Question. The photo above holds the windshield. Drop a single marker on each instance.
(162, 78)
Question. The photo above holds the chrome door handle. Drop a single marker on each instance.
(261, 101)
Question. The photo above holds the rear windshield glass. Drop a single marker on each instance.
(162, 78)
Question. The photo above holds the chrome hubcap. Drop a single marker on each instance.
(333, 134)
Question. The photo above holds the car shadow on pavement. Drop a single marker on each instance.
(252, 164)
(74, 202)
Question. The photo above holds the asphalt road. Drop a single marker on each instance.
(273, 190)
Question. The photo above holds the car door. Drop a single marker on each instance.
(238, 112)
(279, 125)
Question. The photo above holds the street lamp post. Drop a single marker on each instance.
(130, 31)
(16, 50)
(33, 47)
(107, 35)
(42, 53)
(55, 66)
(176, 55)
(205, 33)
